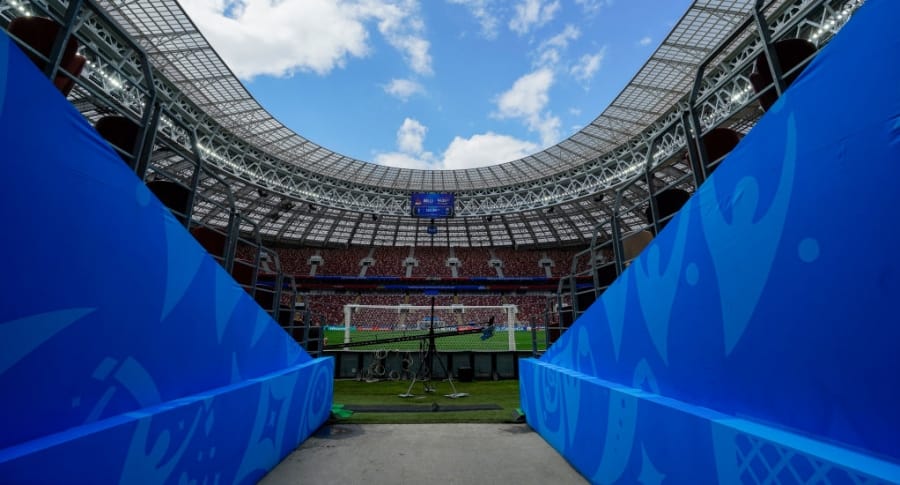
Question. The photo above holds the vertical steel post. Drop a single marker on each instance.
(768, 49)
(62, 38)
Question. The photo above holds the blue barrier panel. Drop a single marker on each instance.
(233, 434)
(616, 434)
(109, 310)
(772, 294)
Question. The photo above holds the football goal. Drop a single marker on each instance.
(456, 327)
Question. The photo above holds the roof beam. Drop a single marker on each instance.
(720, 11)
(312, 224)
(295, 214)
(650, 87)
(688, 47)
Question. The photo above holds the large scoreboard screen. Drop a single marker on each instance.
(432, 205)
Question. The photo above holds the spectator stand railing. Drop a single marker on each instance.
(167, 154)
(720, 98)
(214, 192)
(117, 72)
(181, 169)
(313, 332)
(247, 255)
(550, 318)
(277, 293)
(118, 80)
(287, 306)
(731, 102)
(269, 281)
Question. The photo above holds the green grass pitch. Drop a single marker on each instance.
(499, 342)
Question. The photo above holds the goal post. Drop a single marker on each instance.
(382, 322)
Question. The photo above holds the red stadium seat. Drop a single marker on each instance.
(718, 143)
(342, 262)
(791, 53)
(174, 196)
(388, 261)
(265, 298)
(295, 261)
(242, 272)
(65, 83)
(40, 33)
(668, 202)
(212, 240)
(121, 133)
(474, 262)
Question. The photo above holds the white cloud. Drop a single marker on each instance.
(549, 57)
(645, 41)
(410, 144)
(526, 100)
(416, 50)
(279, 38)
(482, 12)
(410, 136)
(562, 39)
(403, 88)
(575, 111)
(476, 151)
(549, 50)
(527, 96)
(593, 6)
(547, 126)
(485, 149)
(401, 26)
(532, 13)
(588, 65)
(403, 160)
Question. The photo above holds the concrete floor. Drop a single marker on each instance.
(375, 454)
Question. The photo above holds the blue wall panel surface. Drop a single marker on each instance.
(228, 435)
(616, 434)
(772, 295)
(110, 311)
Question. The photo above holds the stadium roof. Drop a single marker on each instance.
(184, 56)
(313, 195)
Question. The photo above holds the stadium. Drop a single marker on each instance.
(698, 285)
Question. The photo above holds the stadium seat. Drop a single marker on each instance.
(121, 133)
(633, 244)
(212, 240)
(791, 53)
(40, 33)
(285, 316)
(606, 275)
(668, 202)
(173, 195)
(65, 83)
(315, 334)
(585, 300)
(718, 143)
(265, 298)
(242, 272)
(566, 319)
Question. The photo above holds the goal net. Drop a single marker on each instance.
(456, 327)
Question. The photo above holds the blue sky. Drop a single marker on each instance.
(435, 84)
